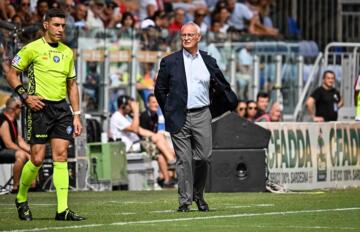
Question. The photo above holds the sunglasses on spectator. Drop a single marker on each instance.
(252, 108)
(25, 4)
(242, 108)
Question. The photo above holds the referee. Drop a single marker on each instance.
(52, 78)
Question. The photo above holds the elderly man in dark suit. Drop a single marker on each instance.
(191, 89)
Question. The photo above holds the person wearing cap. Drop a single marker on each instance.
(52, 79)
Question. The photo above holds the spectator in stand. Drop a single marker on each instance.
(241, 108)
(127, 28)
(95, 14)
(199, 18)
(23, 10)
(147, 8)
(260, 9)
(149, 121)
(7, 11)
(262, 101)
(214, 34)
(326, 99)
(251, 110)
(69, 33)
(242, 19)
(112, 15)
(42, 6)
(13, 146)
(80, 15)
(125, 125)
(221, 14)
(178, 21)
(274, 115)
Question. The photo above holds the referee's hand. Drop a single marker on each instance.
(77, 125)
(34, 102)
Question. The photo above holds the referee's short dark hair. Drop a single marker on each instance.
(54, 12)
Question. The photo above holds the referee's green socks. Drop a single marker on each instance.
(28, 175)
(61, 183)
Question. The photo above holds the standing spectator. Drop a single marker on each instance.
(13, 146)
(251, 110)
(262, 101)
(69, 37)
(326, 99)
(241, 108)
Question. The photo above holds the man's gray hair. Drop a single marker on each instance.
(193, 24)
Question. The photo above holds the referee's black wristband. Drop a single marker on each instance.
(21, 91)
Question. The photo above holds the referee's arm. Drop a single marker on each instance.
(73, 94)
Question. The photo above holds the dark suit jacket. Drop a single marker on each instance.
(171, 90)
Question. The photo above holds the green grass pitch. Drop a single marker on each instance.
(327, 210)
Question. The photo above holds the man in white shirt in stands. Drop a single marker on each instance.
(125, 126)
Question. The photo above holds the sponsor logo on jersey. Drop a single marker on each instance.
(69, 130)
(56, 59)
(16, 60)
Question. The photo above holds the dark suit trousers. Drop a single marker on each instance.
(193, 147)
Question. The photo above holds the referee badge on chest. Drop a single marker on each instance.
(56, 59)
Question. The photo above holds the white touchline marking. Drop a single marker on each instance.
(248, 206)
(307, 227)
(190, 219)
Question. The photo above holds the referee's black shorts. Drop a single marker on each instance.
(55, 120)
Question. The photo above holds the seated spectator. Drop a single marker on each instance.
(241, 108)
(243, 19)
(263, 23)
(23, 10)
(42, 6)
(149, 120)
(13, 146)
(221, 14)
(274, 115)
(262, 101)
(80, 15)
(199, 18)
(125, 125)
(7, 11)
(127, 28)
(178, 21)
(251, 111)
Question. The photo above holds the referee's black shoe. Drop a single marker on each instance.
(23, 210)
(68, 215)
